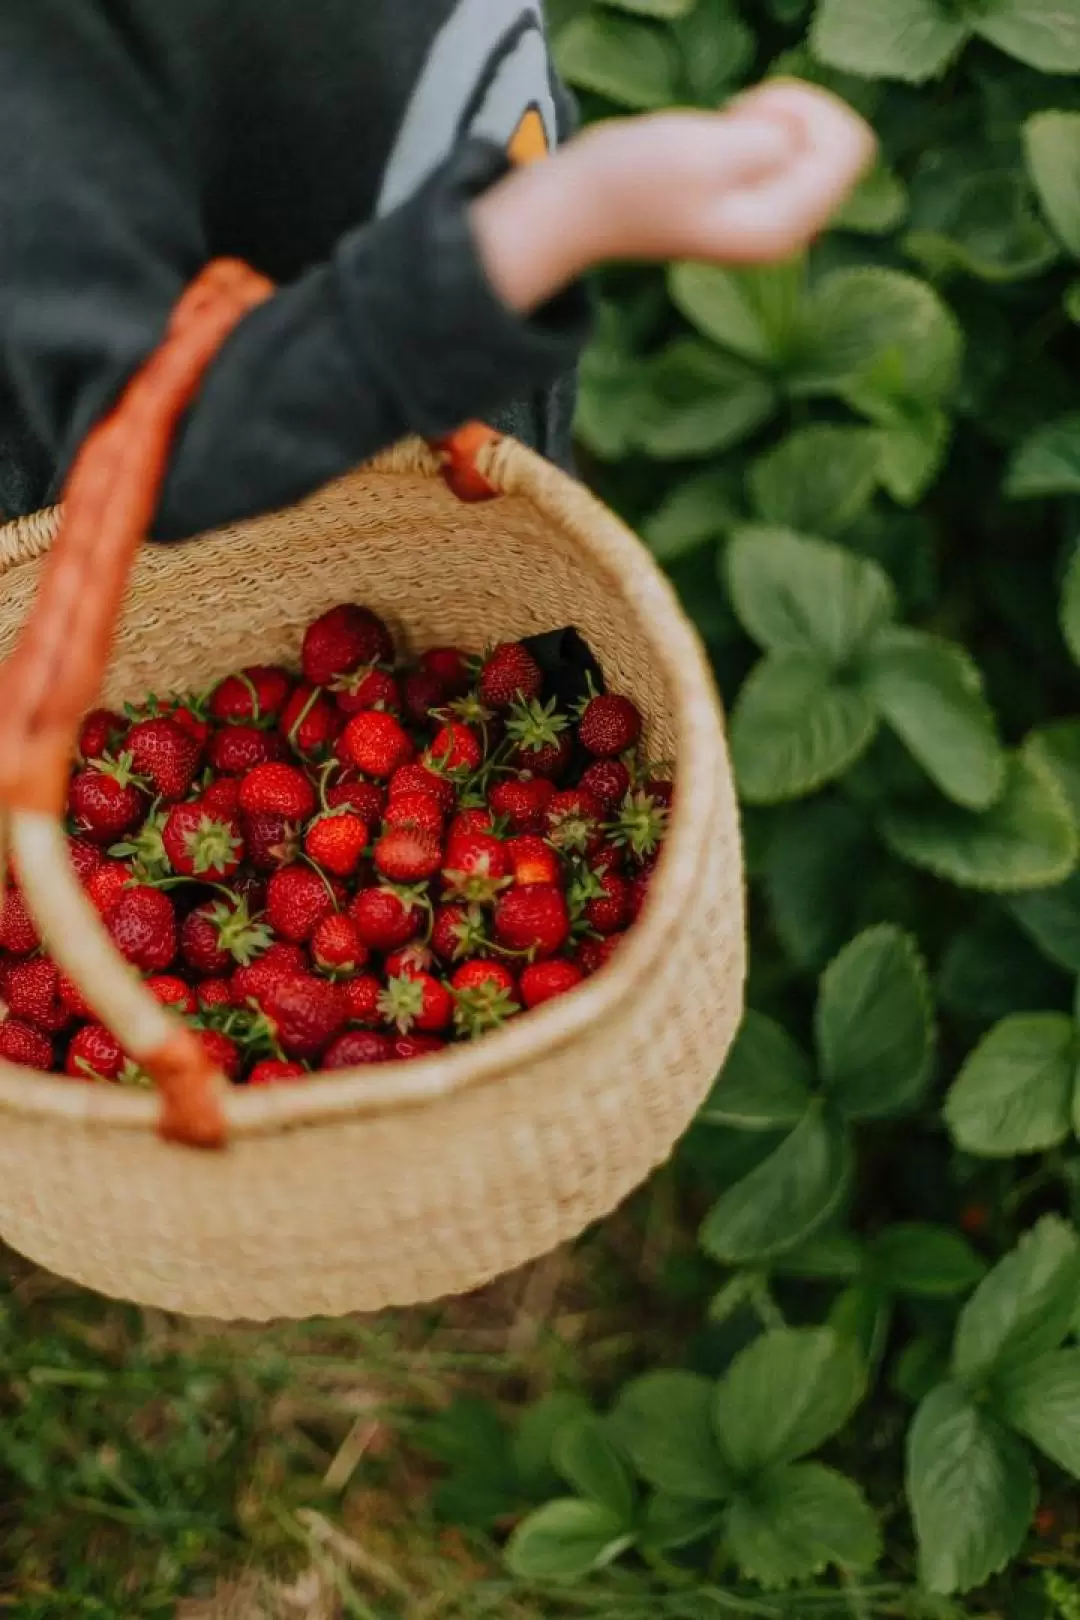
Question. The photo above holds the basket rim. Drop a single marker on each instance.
(384, 1089)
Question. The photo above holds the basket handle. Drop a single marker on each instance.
(55, 671)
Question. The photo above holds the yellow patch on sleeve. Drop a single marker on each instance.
(529, 141)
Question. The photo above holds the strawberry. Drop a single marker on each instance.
(522, 800)
(475, 975)
(31, 992)
(384, 919)
(18, 930)
(574, 821)
(94, 1053)
(543, 743)
(609, 725)
(274, 1072)
(543, 981)
(639, 889)
(407, 855)
(450, 666)
(200, 845)
(84, 857)
(277, 790)
(172, 992)
(142, 925)
(341, 640)
(458, 931)
(609, 911)
(532, 919)
(414, 958)
(72, 999)
(532, 860)
(467, 822)
(418, 811)
(221, 797)
(357, 1048)
(21, 1043)
(483, 998)
(369, 688)
(661, 791)
(106, 885)
(608, 858)
(236, 750)
(252, 981)
(641, 825)
(607, 780)
(422, 694)
(105, 801)
(306, 1014)
(214, 992)
(416, 1001)
(365, 799)
(361, 997)
(310, 721)
(258, 693)
(223, 1052)
(271, 841)
(376, 743)
(101, 733)
(594, 953)
(418, 779)
(336, 946)
(416, 1046)
(476, 868)
(297, 901)
(218, 934)
(337, 842)
(455, 748)
(509, 674)
(165, 754)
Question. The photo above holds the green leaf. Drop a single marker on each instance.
(874, 1025)
(977, 223)
(1070, 604)
(765, 1084)
(1056, 748)
(812, 912)
(697, 511)
(631, 61)
(663, 1422)
(863, 1314)
(876, 206)
(696, 400)
(1042, 1400)
(795, 727)
(972, 1491)
(751, 312)
(923, 1261)
(799, 1521)
(819, 480)
(785, 1198)
(664, 10)
(831, 1254)
(784, 1396)
(913, 40)
(1043, 33)
(565, 1540)
(1072, 302)
(1047, 462)
(1027, 840)
(534, 1442)
(1052, 147)
(794, 594)
(586, 1459)
(1023, 1308)
(676, 1521)
(871, 326)
(1051, 917)
(911, 451)
(931, 694)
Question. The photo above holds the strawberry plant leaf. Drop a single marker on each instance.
(911, 449)
(819, 480)
(1044, 34)
(813, 914)
(697, 511)
(799, 1521)
(784, 1396)
(785, 1198)
(795, 594)
(715, 49)
(880, 335)
(931, 694)
(863, 1314)
(795, 728)
(1022, 1308)
(874, 1025)
(586, 1459)
(565, 1540)
(972, 1491)
(751, 312)
(663, 1423)
(830, 1254)
(1071, 302)
(629, 60)
(921, 1261)
(664, 10)
(1057, 749)
(1070, 604)
(677, 1521)
(1052, 149)
(1047, 462)
(696, 400)
(1051, 918)
(914, 40)
(534, 1441)
(876, 206)
(765, 1083)
(1042, 1401)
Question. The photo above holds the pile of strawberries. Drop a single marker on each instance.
(356, 864)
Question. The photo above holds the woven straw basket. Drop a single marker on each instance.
(399, 1183)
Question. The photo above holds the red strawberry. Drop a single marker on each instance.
(458, 931)
(367, 689)
(142, 924)
(639, 889)
(341, 640)
(607, 780)
(383, 919)
(414, 958)
(364, 799)
(522, 800)
(202, 845)
(257, 693)
(310, 721)
(594, 953)
(271, 841)
(532, 919)
(165, 754)
(275, 1071)
(172, 992)
(483, 998)
(307, 1013)
(418, 779)
(84, 857)
(641, 825)
(101, 732)
(277, 790)
(610, 725)
(418, 811)
(416, 1001)
(376, 743)
(18, 930)
(422, 694)
(543, 981)
(215, 992)
(336, 946)
(660, 791)
(455, 748)
(72, 999)
(475, 975)
(236, 750)
(574, 821)
(94, 1053)
(416, 1046)
(20, 1043)
(510, 674)
(357, 1048)
(543, 743)
(337, 842)
(218, 934)
(252, 981)
(532, 860)
(361, 997)
(224, 1053)
(31, 992)
(406, 855)
(105, 886)
(105, 801)
(297, 900)
(608, 858)
(467, 822)
(476, 868)
(609, 912)
(222, 797)
(450, 666)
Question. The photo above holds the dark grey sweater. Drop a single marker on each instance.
(334, 145)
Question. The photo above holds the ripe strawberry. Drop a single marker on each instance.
(94, 1053)
(407, 855)
(142, 924)
(594, 953)
(105, 801)
(414, 958)
(215, 992)
(172, 992)
(361, 997)
(416, 1001)
(306, 1013)
(450, 666)
(661, 791)
(337, 842)
(218, 934)
(365, 799)
(368, 688)
(105, 886)
(202, 845)
(543, 743)
(574, 821)
(297, 900)
(72, 999)
(271, 841)
(357, 1048)
(510, 674)
(522, 800)
(419, 779)
(458, 931)
(422, 694)
(236, 750)
(607, 780)
(21, 1043)
(18, 930)
(640, 826)
(224, 1053)
(376, 743)
(278, 790)
(532, 860)
(222, 797)
(31, 992)
(639, 889)
(467, 822)
(483, 998)
(608, 858)
(455, 748)
(341, 640)
(259, 692)
(274, 1072)
(609, 912)
(416, 1046)
(609, 725)
(310, 721)
(418, 811)
(476, 867)
(101, 732)
(543, 981)
(475, 975)
(165, 754)
(532, 919)
(84, 857)
(384, 919)
(336, 946)
(251, 981)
